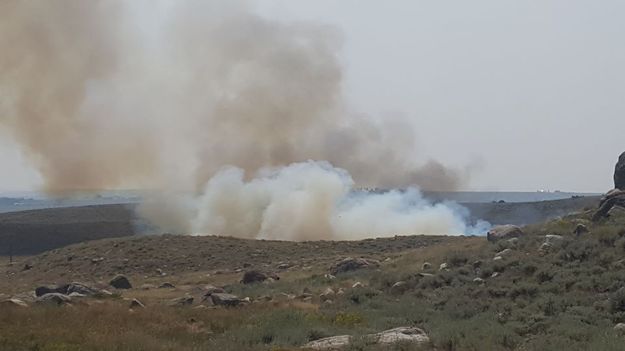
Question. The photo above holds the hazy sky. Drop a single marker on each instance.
(529, 93)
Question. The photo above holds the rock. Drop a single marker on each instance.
(498, 258)
(167, 285)
(613, 198)
(553, 239)
(120, 282)
(51, 289)
(477, 264)
(223, 299)
(398, 288)
(97, 260)
(620, 328)
(358, 285)
(283, 266)
(503, 253)
(331, 343)
(54, 299)
(181, 301)
(545, 248)
(13, 303)
(478, 281)
(385, 338)
(134, 303)
(82, 289)
(426, 274)
(443, 266)
(329, 276)
(76, 295)
(580, 229)
(616, 212)
(327, 294)
(512, 243)
(340, 292)
(503, 232)
(251, 277)
(211, 289)
(402, 334)
(619, 173)
(494, 275)
(351, 264)
(426, 265)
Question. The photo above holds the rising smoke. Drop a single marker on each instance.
(165, 94)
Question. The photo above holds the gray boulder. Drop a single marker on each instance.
(181, 301)
(503, 232)
(619, 173)
(251, 277)
(351, 264)
(330, 343)
(55, 299)
(223, 299)
(403, 335)
(120, 282)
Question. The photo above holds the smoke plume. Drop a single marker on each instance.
(164, 94)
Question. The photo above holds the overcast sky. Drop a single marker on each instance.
(529, 93)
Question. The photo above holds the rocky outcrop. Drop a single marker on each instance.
(351, 264)
(613, 198)
(411, 335)
(504, 232)
(619, 173)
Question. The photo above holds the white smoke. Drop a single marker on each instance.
(307, 201)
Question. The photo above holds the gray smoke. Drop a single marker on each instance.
(163, 95)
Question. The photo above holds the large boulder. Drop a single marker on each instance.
(223, 299)
(619, 173)
(402, 334)
(251, 277)
(351, 264)
(51, 289)
(120, 282)
(504, 232)
(55, 299)
(330, 343)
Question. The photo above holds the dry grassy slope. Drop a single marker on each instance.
(35, 231)
(141, 256)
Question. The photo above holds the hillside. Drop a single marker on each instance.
(549, 289)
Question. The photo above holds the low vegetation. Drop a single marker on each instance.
(566, 295)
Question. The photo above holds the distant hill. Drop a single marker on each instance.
(35, 231)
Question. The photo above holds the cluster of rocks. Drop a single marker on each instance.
(351, 264)
(614, 200)
(413, 335)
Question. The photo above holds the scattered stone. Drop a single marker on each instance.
(477, 264)
(478, 281)
(494, 275)
(340, 292)
(545, 248)
(443, 266)
(223, 299)
(134, 303)
(97, 260)
(120, 282)
(13, 303)
(351, 264)
(503, 232)
(54, 299)
(498, 258)
(160, 272)
(331, 343)
(167, 285)
(327, 294)
(358, 285)
(426, 274)
(398, 288)
(426, 265)
(181, 301)
(27, 267)
(328, 302)
(329, 277)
